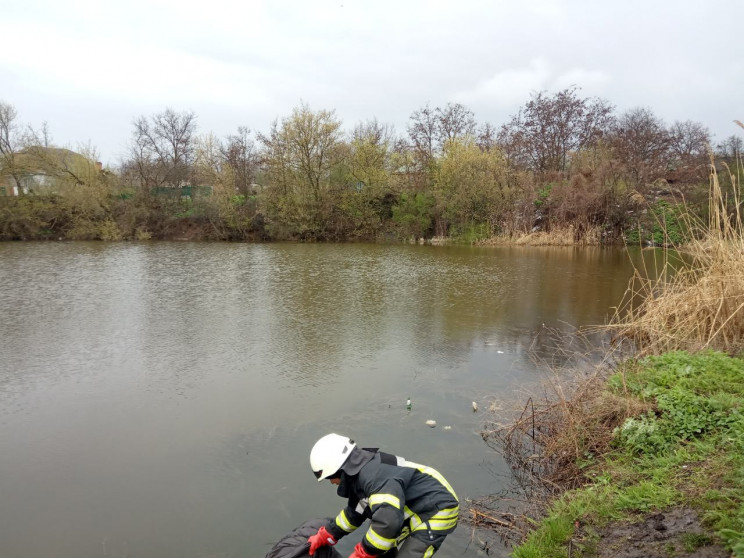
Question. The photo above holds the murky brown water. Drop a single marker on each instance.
(160, 400)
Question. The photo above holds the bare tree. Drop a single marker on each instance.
(690, 146)
(689, 140)
(163, 148)
(239, 152)
(548, 129)
(454, 122)
(486, 137)
(642, 143)
(11, 142)
(422, 131)
(430, 129)
(731, 148)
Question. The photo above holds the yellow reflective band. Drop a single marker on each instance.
(378, 541)
(434, 473)
(442, 524)
(429, 552)
(403, 536)
(377, 499)
(343, 522)
(449, 513)
(443, 520)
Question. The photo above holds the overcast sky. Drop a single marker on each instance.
(90, 67)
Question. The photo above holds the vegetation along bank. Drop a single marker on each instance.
(641, 455)
(566, 169)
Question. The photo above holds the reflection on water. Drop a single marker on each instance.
(160, 400)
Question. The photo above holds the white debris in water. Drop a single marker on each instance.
(500, 352)
(475, 406)
(431, 423)
(447, 427)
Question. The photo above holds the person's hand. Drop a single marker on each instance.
(359, 552)
(321, 538)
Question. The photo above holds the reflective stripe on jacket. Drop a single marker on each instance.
(400, 497)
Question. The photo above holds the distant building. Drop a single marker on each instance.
(44, 170)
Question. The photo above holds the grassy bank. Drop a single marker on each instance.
(644, 457)
(685, 449)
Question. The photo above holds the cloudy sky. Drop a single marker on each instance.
(90, 67)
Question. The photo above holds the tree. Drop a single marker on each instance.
(689, 143)
(642, 144)
(208, 160)
(549, 129)
(422, 131)
(163, 148)
(454, 122)
(369, 155)
(486, 137)
(299, 156)
(229, 208)
(239, 153)
(430, 129)
(11, 142)
(368, 198)
(731, 148)
(471, 187)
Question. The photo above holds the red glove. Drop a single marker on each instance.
(359, 552)
(321, 538)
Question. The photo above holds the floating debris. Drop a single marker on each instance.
(500, 352)
(447, 427)
(431, 423)
(408, 403)
(475, 407)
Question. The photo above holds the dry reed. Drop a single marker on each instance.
(695, 300)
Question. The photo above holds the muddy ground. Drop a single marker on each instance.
(675, 532)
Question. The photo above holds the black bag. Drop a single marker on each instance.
(294, 544)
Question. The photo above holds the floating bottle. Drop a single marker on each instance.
(408, 403)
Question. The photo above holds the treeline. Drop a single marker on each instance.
(562, 163)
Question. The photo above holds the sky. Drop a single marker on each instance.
(89, 68)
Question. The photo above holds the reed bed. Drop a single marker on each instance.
(695, 301)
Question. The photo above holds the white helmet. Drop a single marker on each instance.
(329, 454)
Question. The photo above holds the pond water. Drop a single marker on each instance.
(160, 400)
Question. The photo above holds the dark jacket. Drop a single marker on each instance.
(400, 498)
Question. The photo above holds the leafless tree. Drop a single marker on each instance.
(373, 131)
(689, 140)
(454, 122)
(239, 152)
(11, 142)
(430, 129)
(422, 130)
(731, 148)
(642, 144)
(486, 137)
(549, 128)
(690, 145)
(163, 147)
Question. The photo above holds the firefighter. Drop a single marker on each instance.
(411, 507)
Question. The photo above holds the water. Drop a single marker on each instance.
(161, 399)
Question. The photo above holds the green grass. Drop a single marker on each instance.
(689, 450)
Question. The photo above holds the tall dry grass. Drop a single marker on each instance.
(695, 300)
